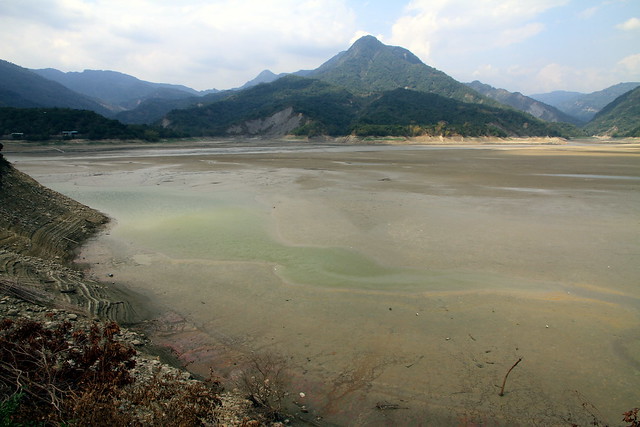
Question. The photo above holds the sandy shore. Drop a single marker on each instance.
(527, 251)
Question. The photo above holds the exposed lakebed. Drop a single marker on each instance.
(410, 275)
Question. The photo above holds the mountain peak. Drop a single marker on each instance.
(369, 47)
(370, 66)
(369, 41)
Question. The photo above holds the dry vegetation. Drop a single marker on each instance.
(52, 373)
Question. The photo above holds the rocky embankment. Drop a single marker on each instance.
(40, 231)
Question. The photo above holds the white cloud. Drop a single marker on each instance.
(552, 76)
(588, 13)
(199, 43)
(582, 79)
(453, 27)
(631, 65)
(629, 25)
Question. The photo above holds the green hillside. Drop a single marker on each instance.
(39, 124)
(416, 113)
(332, 110)
(619, 118)
(369, 66)
(328, 109)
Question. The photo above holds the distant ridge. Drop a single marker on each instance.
(22, 88)
(524, 103)
(619, 118)
(117, 90)
(584, 106)
(266, 76)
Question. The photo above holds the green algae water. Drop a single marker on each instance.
(235, 228)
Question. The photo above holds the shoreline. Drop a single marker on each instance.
(80, 145)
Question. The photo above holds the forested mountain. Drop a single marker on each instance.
(117, 90)
(584, 106)
(524, 103)
(369, 66)
(312, 107)
(428, 113)
(22, 88)
(369, 89)
(327, 109)
(619, 118)
(152, 110)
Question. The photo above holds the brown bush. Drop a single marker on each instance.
(53, 374)
(47, 364)
(265, 383)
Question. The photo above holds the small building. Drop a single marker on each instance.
(69, 134)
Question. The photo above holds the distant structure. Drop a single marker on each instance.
(69, 134)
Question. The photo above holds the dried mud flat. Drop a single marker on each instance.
(533, 250)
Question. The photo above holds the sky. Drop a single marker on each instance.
(528, 46)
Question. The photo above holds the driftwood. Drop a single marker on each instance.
(385, 406)
(504, 381)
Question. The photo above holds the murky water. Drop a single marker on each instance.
(413, 277)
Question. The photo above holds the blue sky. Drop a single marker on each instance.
(530, 46)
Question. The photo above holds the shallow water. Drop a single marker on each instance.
(408, 276)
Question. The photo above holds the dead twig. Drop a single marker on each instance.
(504, 381)
(385, 406)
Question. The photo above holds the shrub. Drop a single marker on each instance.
(48, 364)
(265, 382)
(52, 374)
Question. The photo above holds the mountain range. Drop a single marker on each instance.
(369, 88)
(117, 91)
(584, 106)
(22, 88)
(613, 119)
(524, 103)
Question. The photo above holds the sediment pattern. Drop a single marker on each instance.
(40, 230)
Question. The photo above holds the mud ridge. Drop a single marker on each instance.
(40, 232)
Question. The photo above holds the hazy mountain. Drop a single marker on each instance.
(266, 76)
(619, 118)
(584, 106)
(524, 103)
(557, 97)
(20, 87)
(369, 66)
(117, 90)
(152, 110)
